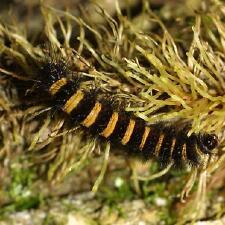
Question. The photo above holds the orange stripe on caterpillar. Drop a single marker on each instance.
(172, 148)
(73, 101)
(111, 125)
(144, 137)
(159, 144)
(55, 87)
(184, 151)
(128, 133)
(92, 116)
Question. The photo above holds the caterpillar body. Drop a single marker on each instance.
(165, 143)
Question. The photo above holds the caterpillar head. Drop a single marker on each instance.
(207, 142)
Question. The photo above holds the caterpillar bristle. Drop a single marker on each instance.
(163, 142)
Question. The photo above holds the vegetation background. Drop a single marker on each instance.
(166, 58)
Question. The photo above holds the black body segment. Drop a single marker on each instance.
(151, 142)
(167, 148)
(65, 93)
(51, 72)
(192, 151)
(136, 137)
(83, 109)
(177, 153)
(103, 119)
(120, 128)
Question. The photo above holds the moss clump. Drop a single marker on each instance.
(19, 192)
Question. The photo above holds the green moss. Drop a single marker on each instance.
(168, 216)
(20, 190)
(122, 191)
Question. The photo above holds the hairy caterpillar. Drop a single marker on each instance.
(165, 143)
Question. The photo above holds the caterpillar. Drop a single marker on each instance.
(163, 142)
